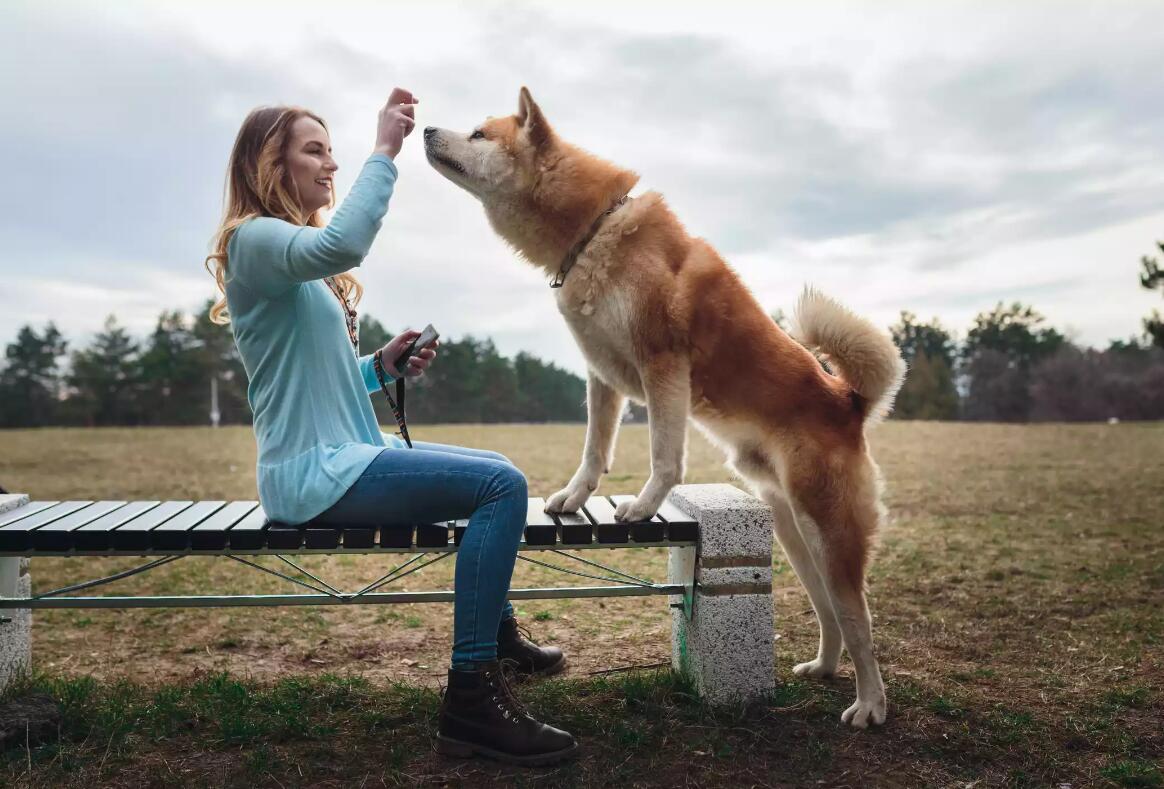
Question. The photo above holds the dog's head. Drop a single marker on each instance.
(539, 193)
(498, 158)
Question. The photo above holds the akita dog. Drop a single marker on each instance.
(661, 319)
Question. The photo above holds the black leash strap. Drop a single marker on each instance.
(397, 403)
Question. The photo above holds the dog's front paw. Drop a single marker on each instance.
(815, 669)
(864, 712)
(570, 498)
(635, 510)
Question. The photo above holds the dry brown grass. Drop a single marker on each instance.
(1018, 589)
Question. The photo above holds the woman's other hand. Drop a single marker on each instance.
(397, 119)
(419, 361)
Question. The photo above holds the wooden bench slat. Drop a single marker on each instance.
(650, 530)
(134, 535)
(56, 536)
(283, 537)
(358, 537)
(432, 535)
(24, 510)
(47, 515)
(174, 534)
(210, 534)
(250, 532)
(396, 536)
(681, 527)
(540, 528)
(83, 516)
(17, 536)
(97, 535)
(327, 537)
(576, 528)
(606, 528)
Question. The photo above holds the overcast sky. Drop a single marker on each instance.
(934, 157)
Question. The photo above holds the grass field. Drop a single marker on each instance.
(1018, 601)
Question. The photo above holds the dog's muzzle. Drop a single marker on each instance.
(434, 156)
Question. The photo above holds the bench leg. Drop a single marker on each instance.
(15, 624)
(721, 635)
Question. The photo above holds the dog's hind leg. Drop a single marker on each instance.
(837, 518)
(828, 652)
(603, 408)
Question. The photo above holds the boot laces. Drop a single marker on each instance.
(505, 699)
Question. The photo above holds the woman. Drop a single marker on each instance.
(290, 300)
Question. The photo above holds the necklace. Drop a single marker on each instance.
(350, 318)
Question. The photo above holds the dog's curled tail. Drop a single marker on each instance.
(863, 354)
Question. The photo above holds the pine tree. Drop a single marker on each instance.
(173, 379)
(104, 379)
(30, 381)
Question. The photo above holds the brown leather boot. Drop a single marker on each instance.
(481, 716)
(513, 643)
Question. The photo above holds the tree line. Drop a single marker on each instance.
(1009, 367)
(165, 379)
(1012, 367)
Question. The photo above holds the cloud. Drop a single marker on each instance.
(894, 157)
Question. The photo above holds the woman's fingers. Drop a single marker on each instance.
(401, 96)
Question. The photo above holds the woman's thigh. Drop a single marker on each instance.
(455, 450)
(419, 486)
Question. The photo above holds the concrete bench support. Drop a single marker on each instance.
(721, 637)
(15, 624)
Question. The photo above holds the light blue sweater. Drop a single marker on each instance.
(314, 424)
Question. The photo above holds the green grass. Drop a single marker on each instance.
(1017, 594)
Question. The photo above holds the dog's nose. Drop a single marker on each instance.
(429, 131)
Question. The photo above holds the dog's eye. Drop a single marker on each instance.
(477, 135)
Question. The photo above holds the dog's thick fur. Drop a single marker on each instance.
(662, 319)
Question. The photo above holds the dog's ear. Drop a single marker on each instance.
(530, 118)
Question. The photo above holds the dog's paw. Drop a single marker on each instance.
(635, 510)
(569, 499)
(862, 713)
(815, 669)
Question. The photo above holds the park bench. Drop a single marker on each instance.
(719, 566)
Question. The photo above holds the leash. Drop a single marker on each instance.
(353, 325)
(398, 403)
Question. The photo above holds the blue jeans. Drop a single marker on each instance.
(432, 483)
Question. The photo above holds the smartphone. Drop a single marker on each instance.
(427, 337)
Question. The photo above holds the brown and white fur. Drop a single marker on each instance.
(664, 321)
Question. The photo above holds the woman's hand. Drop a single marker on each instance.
(397, 119)
(419, 361)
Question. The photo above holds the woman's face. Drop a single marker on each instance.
(309, 163)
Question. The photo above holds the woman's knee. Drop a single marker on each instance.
(496, 456)
(510, 481)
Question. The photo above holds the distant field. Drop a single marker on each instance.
(1018, 598)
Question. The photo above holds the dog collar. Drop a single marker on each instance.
(576, 250)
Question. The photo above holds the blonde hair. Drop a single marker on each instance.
(258, 184)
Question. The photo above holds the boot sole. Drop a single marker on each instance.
(447, 746)
(548, 671)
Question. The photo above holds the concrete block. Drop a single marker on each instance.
(15, 624)
(721, 638)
